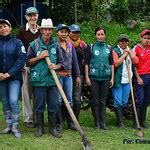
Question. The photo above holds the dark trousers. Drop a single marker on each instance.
(99, 92)
(43, 95)
(143, 91)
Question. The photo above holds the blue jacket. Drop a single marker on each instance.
(12, 56)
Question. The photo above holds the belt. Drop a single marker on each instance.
(64, 73)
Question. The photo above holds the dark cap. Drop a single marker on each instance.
(123, 36)
(31, 10)
(62, 26)
(144, 32)
(74, 28)
(5, 21)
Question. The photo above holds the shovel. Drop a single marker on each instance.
(139, 132)
(85, 141)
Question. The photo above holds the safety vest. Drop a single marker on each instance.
(40, 73)
(118, 71)
(100, 68)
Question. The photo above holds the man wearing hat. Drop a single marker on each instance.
(27, 34)
(80, 46)
(12, 60)
(142, 72)
(121, 88)
(44, 86)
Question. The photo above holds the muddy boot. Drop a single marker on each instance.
(8, 119)
(102, 114)
(52, 124)
(119, 116)
(15, 125)
(143, 116)
(76, 110)
(95, 112)
(138, 109)
(70, 122)
(40, 124)
(60, 121)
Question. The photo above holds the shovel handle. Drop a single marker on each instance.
(132, 94)
(64, 97)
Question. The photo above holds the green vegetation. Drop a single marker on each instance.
(111, 139)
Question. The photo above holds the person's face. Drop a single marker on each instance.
(5, 29)
(74, 35)
(46, 33)
(32, 18)
(100, 35)
(123, 43)
(62, 34)
(145, 40)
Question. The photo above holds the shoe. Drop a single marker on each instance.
(15, 131)
(7, 130)
(29, 125)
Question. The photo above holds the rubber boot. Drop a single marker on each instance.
(102, 114)
(8, 119)
(40, 124)
(76, 109)
(143, 116)
(70, 122)
(119, 116)
(52, 124)
(60, 121)
(95, 112)
(15, 125)
(138, 109)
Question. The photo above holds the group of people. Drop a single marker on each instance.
(23, 68)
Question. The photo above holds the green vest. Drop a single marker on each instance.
(118, 71)
(100, 68)
(40, 73)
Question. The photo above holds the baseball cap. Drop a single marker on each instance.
(31, 10)
(62, 26)
(5, 21)
(47, 23)
(74, 28)
(123, 36)
(144, 32)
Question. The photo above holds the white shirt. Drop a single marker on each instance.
(125, 78)
(28, 28)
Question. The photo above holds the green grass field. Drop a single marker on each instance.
(112, 139)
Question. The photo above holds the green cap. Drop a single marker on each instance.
(123, 36)
(31, 10)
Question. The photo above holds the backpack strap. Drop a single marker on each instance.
(36, 45)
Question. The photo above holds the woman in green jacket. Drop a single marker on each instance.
(99, 74)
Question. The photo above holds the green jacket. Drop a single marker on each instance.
(100, 68)
(118, 71)
(40, 73)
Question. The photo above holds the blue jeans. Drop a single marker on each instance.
(45, 94)
(67, 85)
(121, 95)
(10, 91)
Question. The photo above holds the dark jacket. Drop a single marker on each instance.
(12, 56)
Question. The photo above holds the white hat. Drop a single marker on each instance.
(47, 23)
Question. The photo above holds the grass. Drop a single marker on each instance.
(101, 140)
(71, 140)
